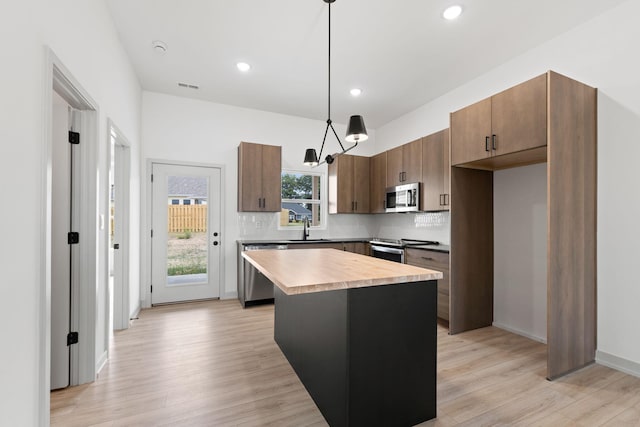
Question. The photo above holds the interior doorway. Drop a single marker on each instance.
(64, 254)
(119, 241)
(81, 299)
(186, 246)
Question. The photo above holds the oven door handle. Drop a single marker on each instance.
(388, 250)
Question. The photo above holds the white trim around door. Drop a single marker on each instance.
(83, 355)
(148, 220)
(120, 167)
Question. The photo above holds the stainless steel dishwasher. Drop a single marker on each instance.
(253, 286)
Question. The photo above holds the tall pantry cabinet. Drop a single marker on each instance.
(551, 119)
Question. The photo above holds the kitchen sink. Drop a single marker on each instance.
(309, 240)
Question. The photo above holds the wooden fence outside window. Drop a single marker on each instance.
(187, 217)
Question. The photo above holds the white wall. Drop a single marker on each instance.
(520, 250)
(90, 49)
(601, 53)
(187, 130)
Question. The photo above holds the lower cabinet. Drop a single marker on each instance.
(323, 245)
(361, 248)
(438, 261)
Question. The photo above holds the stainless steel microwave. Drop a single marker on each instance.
(403, 198)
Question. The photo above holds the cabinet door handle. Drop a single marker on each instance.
(486, 143)
(404, 176)
(442, 200)
(427, 258)
(493, 141)
(356, 206)
(446, 199)
(399, 176)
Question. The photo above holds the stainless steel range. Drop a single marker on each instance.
(393, 249)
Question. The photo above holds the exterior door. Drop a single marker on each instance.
(186, 238)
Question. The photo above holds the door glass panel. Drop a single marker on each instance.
(187, 242)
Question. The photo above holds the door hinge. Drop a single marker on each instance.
(74, 137)
(72, 338)
(152, 233)
(73, 237)
(151, 177)
(151, 288)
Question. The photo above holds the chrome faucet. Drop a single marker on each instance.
(305, 228)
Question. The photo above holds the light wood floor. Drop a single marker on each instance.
(215, 364)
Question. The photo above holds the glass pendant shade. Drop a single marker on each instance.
(310, 157)
(356, 132)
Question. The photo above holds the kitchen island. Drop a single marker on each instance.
(360, 333)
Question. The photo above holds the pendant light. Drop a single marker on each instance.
(356, 130)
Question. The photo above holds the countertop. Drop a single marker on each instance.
(310, 240)
(299, 271)
(438, 248)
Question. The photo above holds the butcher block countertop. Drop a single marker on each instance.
(299, 271)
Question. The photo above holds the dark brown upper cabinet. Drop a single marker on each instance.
(378, 182)
(404, 163)
(505, 130)
(349, 184)
(259, 177)
(435, 172)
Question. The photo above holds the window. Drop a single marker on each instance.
(302, 199)
(175, 201)
(186, 202)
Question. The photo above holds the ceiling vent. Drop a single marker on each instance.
(188, 86)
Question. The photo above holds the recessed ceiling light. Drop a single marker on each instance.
(159, 46)
(243, 66)
(355, 92)
(452, 12)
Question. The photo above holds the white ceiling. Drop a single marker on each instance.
(401, 53)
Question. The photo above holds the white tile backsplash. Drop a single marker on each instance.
(264, 226)
(422, 226)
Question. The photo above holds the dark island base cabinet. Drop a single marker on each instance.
(367, 356)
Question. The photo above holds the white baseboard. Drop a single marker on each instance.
(618, 363)
(519, 332)
(101, 362)
(229, 295)
(135, 313)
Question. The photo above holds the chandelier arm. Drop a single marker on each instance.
(336, 155)
(326, 130)
(334, 132)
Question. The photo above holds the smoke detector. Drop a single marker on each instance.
(159, 46)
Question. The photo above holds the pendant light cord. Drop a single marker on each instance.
(329, 72)
(329, 122)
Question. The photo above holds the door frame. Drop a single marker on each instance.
(121, 291)
(146, 284)
(83, 310)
